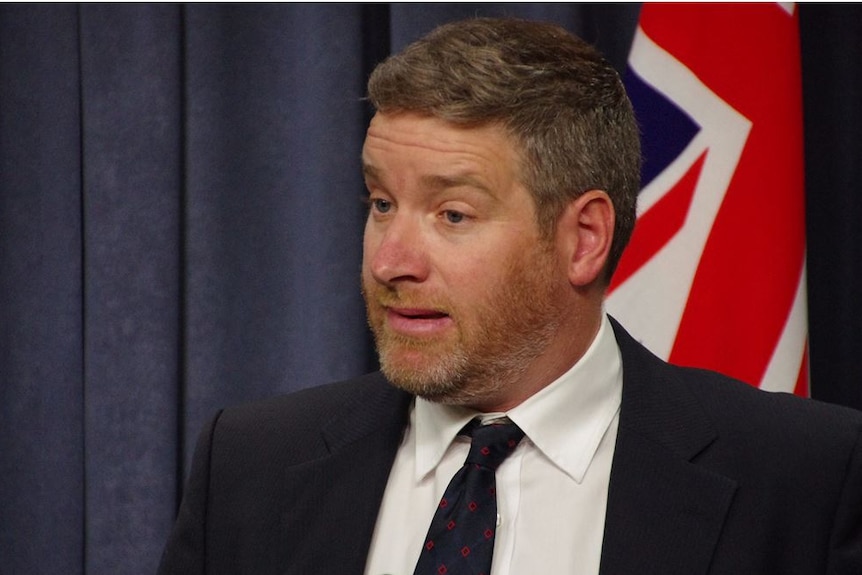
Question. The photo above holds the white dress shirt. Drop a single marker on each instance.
(551, 492)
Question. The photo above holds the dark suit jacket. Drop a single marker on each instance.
(709, 476)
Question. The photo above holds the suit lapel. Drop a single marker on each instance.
(665, 513)
(365, 444)
(341, 493)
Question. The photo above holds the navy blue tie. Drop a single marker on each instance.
(460, 540)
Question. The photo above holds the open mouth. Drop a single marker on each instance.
(420, 314)
(418, 322)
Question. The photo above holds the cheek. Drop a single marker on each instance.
(471, 281)
(369, 248)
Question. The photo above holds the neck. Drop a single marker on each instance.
(566, 348)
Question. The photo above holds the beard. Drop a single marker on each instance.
(494, 340)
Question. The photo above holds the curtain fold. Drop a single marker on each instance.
(181, 225)
(273, 209)
(41, 307)
(831, 38)
(131, 163)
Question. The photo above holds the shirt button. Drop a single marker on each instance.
(499, 520)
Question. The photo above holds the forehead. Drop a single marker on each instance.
(426, 139)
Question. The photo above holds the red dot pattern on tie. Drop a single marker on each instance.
(461, 536)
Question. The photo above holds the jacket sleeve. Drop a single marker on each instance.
(185, 552)
(845, 546)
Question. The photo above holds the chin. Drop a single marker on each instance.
(433, 378)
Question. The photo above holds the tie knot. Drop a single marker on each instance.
(492, 443)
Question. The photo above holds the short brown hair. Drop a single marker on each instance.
(555, 94)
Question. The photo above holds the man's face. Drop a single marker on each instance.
(462, 294)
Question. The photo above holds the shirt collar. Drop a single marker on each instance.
(565, 420)
(436, 427)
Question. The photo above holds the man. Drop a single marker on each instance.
(502, 169)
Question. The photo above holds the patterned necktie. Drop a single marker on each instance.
(460, 540)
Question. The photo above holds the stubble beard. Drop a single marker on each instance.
(494, 342)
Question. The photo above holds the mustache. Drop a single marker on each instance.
(398, 297)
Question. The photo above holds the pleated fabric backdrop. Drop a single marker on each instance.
(180, 230)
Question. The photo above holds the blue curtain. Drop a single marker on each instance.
(180, 230)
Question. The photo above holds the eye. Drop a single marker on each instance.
(454, 217)
(380, 205)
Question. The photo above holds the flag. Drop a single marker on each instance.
(714, 276)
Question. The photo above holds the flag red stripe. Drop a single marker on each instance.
(657, 227)
(753, 257)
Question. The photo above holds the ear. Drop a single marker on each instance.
(586, 229)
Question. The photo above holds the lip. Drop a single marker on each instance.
(417, 322)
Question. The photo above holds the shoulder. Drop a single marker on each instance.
(745, 415)
(312, 405)
(312, 418)
(781, 422)
(315, 407)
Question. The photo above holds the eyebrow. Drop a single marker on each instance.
(441, 182)
(437, 183)
(370, 171)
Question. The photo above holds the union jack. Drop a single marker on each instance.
(714, 276)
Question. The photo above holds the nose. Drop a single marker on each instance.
(395, 251)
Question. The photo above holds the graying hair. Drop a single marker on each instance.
(560, 100)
